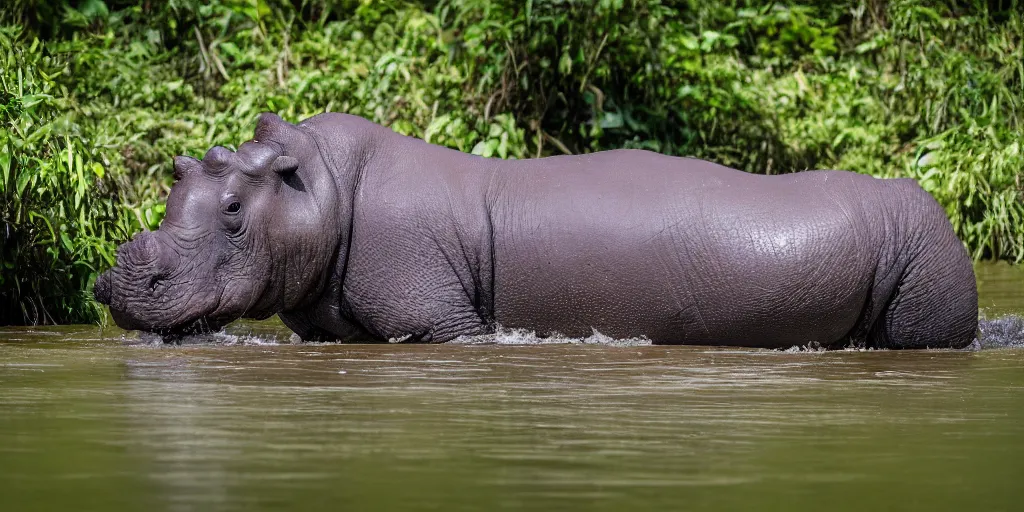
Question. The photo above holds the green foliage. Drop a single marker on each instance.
(98, 96)
(57, 218)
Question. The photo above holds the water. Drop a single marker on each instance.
(1000, 288)
(88, 422)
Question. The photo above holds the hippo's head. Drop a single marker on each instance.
(246, 234)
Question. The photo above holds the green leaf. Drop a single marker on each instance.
(5, 166)
(23, 178)
(503, 146)
(710, 37)
(230, 49)
(492, 146)
(611, 120)
(565, 63)
(435, 127)
(31, 100)
(79, 181)
(66, 241)
(690, 42)
(93, 8)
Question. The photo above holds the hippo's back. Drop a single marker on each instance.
(684, 251)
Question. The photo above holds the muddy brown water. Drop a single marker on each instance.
(88, 422)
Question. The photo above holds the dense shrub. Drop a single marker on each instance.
(59, 212)
(97, 96)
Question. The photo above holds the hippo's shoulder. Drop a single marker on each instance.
(335, 120)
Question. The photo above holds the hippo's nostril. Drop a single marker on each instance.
(101, 290)
(155, 281)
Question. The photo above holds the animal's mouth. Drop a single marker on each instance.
(199, 326)
(181, 316)
(204, 324)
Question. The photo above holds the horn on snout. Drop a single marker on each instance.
(185, 165)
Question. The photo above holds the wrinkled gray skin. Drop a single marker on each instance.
(352, 232)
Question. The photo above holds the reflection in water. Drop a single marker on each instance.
(90, 422)
(169, 419)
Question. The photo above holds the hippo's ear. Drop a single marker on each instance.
(270, 124)
(185, 165)
(285, 165)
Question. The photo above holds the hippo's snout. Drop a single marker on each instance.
(148, 290)
(140, 260)
(101, 290)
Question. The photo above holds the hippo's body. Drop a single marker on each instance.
(400, 239)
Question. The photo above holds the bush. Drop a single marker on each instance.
(98, 96)
(59, 213)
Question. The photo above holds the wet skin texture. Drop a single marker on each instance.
(350, 231)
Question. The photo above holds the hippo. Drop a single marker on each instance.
(352, 232)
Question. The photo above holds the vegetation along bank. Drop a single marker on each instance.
(96, 97)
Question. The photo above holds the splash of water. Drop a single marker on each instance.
(504, 336)
(1002, 332)
(216, 338)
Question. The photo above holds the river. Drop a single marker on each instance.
(90, 421)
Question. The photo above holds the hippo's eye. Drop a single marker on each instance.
(234, 207)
